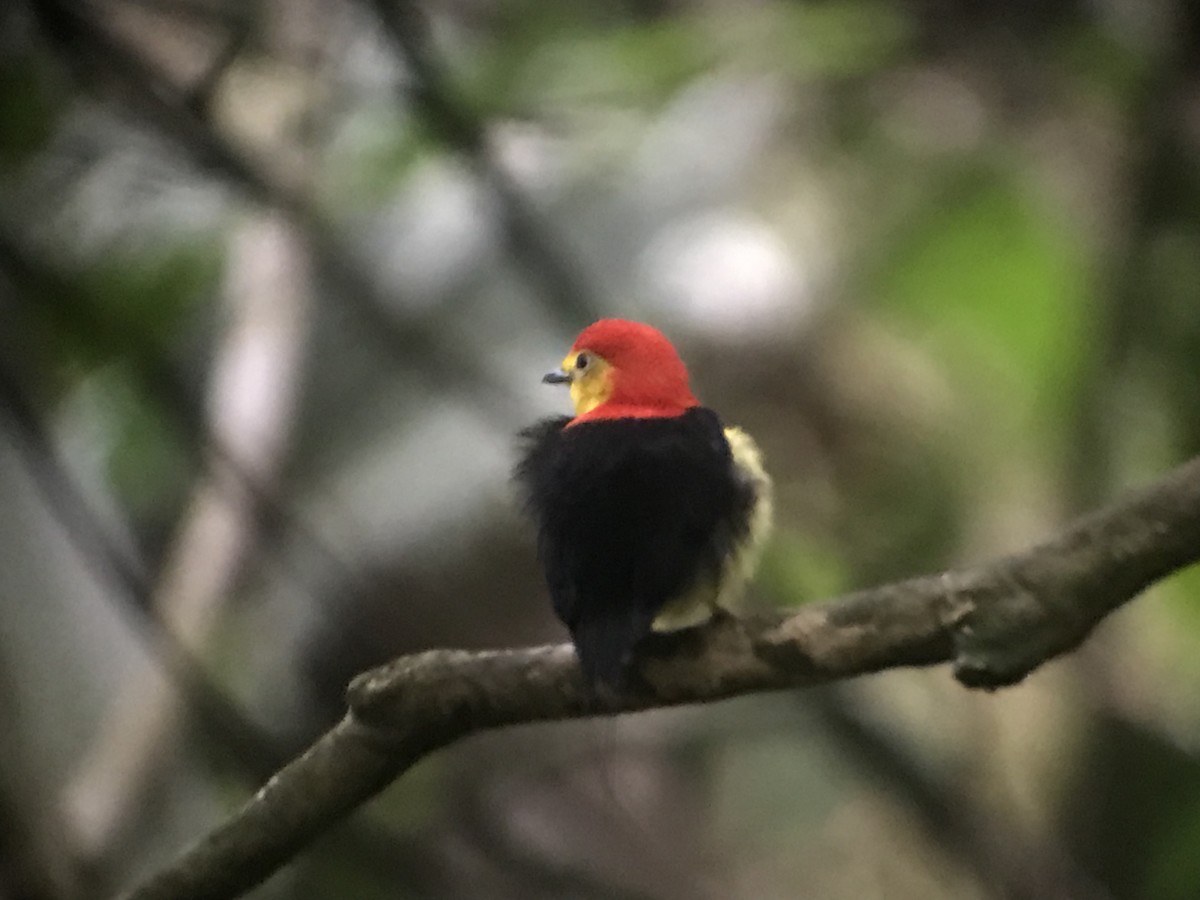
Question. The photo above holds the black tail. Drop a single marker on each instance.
(605, 645)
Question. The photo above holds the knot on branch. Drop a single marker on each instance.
(1009, 624)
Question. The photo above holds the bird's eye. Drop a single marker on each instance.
(582, 361)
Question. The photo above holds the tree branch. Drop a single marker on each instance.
(995, 622)
(550, 271)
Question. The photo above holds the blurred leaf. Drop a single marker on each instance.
(152, 291)
(635, 65)
(559, 59)
(27, 111)
(993, 285)
(842, 38)
(377, 154)
(124, 307)
(149, 463)
(1173, 871)
(1132, 809)
(1109, 62)
(1182, 593)
(797, 568)
(1174, 344)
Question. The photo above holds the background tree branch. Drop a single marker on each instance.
(995, 623)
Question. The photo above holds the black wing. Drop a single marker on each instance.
(630, 513)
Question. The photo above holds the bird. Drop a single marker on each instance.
(650, 512)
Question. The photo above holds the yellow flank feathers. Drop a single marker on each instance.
(698, 604)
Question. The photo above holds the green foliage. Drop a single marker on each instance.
(798, 568)
(810, 40)
(994, 286)
(149, 292)
(1173, 343)
(553, 56)
(1182, 594)
(110, 327)
(375, 163)
(1173, 870)
(1135, 809)
(28, 110)
(1108, 64)
(146, 302)
(149, 460)
(636, 65)
(123, 308)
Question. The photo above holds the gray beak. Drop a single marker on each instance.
(558, 376)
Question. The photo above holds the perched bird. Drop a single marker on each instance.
(650, 513)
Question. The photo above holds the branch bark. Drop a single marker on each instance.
(995, 623)
(531, 242)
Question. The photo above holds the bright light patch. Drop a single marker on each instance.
(726, 272)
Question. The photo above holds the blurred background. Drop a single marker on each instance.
(278, 281)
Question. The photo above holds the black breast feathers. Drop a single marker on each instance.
(630, 513)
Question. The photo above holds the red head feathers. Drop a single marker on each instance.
(638, 373)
